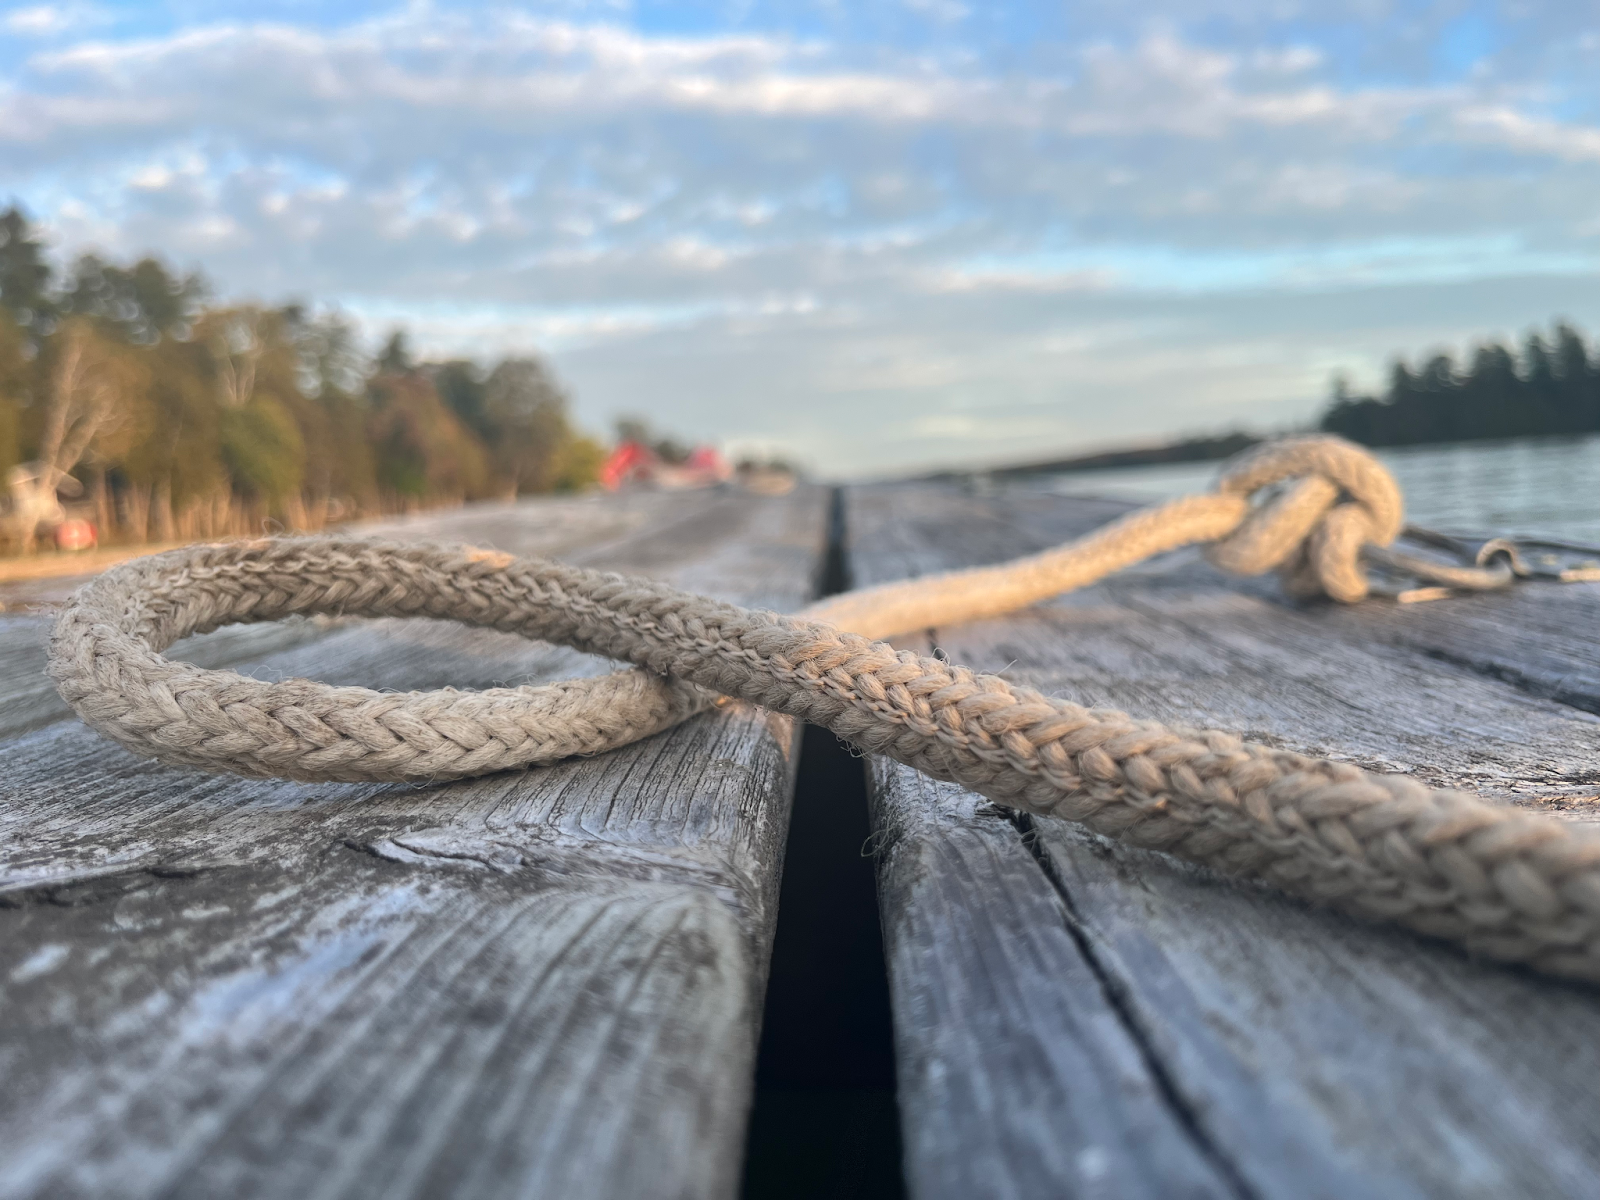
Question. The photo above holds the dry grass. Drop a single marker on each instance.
(69, 564)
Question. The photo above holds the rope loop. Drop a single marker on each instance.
(105, 656)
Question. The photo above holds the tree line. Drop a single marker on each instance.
(1550, 385)
(165, 417)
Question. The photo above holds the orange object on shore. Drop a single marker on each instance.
(634, 463)
(630, 462)
(76, 534)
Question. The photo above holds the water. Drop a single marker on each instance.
(1533, 487)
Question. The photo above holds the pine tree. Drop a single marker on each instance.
(24, 273)
(1551, 387)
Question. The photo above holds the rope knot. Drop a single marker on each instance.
(1338, 499)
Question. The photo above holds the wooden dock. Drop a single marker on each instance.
(551, 982)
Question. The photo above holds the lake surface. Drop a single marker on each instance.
(1533, 487)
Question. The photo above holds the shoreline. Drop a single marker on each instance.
(59, 564)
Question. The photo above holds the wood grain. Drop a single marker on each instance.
(1017, 1076)
(544, 982)
(1296, 1052)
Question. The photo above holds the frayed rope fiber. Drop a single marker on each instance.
(1503, 882)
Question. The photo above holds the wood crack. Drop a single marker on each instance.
(546, 859)
(1527, 684)
(103, 886)
(1184, 1112)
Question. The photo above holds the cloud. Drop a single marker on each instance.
(1531, 135)
(893, 211)
(1018, 279)
(48, 20)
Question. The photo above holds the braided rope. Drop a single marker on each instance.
(1503, 882)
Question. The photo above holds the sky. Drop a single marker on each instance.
(873, 235)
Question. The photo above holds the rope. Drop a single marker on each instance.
(1505, 883)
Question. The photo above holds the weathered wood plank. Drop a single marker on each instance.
(1017, 1077)
(1300, 1053)
(1540, 637)
(539, 983)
